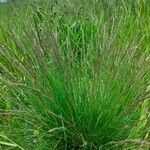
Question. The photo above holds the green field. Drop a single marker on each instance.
(75, 75)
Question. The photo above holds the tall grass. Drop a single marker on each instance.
(75, 75)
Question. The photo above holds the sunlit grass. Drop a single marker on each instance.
(75, 75)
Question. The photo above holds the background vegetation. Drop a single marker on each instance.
(75, 74)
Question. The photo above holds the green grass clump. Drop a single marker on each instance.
(75, 75)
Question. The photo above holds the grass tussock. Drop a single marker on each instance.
(75, 75)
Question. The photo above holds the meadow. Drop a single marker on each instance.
(75, 75)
